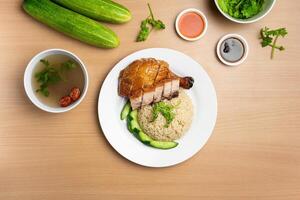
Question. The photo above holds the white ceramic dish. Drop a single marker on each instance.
(205, 108)
(187, 11)
(28, 80)
(245, 44)
(265, 10)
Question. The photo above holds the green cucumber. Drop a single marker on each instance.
(129, 125)
(134, 115)
(103, 10)
(143, 137)
(132, 122)
(71, 23)
(126, 110)
(135, 125)
(163, 145)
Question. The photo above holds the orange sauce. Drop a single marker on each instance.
(191, 25)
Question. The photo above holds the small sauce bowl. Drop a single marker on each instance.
(197, 27)
(29, 73)
(240, 40)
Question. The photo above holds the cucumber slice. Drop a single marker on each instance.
(128, 124)
(125, 111)
(132, 123)
(129, 118)
(135, 125)
(143, 137)
(134, 115)
(163, 145)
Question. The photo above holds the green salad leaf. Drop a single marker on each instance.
(241, 9)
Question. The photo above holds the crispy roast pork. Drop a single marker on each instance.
(148, 80)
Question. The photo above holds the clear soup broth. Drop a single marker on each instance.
(72, 78)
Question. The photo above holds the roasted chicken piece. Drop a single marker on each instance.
(149, 80)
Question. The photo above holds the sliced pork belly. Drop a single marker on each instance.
(148, 97)
(158, 93)
(135, 102)
(175, 87)
(136, 99)
(167, 89)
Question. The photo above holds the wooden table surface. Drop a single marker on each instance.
(254, 152)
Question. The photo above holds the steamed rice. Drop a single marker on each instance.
(183, 118)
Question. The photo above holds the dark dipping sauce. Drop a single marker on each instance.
(232, 50)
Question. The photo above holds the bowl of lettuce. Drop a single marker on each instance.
(245, 11)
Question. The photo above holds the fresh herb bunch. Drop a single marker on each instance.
(147, 25)
(166, 110)
(270, 37)
(241, 9)
(50, 75)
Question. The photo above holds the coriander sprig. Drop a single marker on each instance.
(148, 24)
(270, 37)
(166, 110)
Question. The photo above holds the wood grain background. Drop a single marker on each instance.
(254, 152)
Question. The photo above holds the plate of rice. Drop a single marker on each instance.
(194, 114)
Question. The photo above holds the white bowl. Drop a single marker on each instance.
(28, 80)
(187, 11)
(265, 10)
(245, 44)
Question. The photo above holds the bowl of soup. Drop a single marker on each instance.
(56, 80)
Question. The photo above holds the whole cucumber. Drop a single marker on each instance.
(71, 23)
(103, 10)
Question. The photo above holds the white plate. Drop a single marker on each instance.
(205, 112)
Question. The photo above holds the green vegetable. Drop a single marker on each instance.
(51, 75)
(68, 65)
(71, 23)
(163, 144)
(133, 122)
(270, 37)
(147, 25)
(241, 9)
(126, 110)
(166, 110)
(145, 139)
(103, 10)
